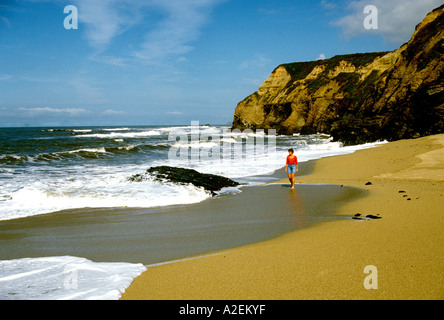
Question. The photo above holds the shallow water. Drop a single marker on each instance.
(44, 170)
(167, 233)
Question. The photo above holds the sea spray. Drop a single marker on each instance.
(65, 278)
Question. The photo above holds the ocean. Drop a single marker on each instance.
(48, 170)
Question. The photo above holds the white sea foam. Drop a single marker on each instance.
(93, 188)
(92, 150)
(119, 134)
(65, 278)
(128, 147)
(247, 155)
(60, 154)
(116, 129)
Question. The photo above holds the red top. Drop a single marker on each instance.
(293, 160)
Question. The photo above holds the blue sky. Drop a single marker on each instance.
(162, 62)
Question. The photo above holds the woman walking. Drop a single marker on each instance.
(291, 167)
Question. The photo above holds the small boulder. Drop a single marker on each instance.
(209, 182)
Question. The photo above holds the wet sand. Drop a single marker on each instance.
(402, 183)
(157, 235)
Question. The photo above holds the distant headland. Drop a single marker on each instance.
(357, 98)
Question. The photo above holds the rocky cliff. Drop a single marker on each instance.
(357, 98)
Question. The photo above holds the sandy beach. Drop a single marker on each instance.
(402, 183)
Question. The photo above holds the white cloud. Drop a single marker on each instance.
(5, 77)
(396, 18)
(321, 57)
(42, 112)
(106, 19)
(113, 112)
(48, 110)
(174, 34)
(329, 5)
(175, 24)
(9, 77)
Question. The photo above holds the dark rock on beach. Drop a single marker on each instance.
(209, 182)
(371, 216)
(358, 216)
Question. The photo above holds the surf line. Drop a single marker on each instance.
(188, 259)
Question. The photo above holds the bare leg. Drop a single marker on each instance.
(291, 178)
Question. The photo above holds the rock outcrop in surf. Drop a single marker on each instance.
(209, 182)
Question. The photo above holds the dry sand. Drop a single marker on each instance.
(327, 261)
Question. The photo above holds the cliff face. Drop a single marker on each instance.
(360, 97)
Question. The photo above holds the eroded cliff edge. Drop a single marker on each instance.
(357, 98)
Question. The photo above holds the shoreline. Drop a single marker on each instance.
(163, 234)
(327, 260)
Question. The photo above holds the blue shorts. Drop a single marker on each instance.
(291, 168)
